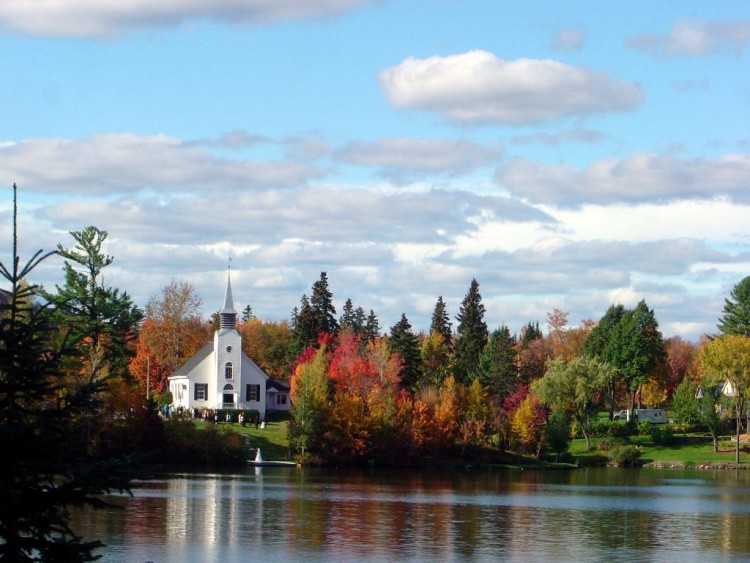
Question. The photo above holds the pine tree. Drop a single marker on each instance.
(247, 314)
(46, 464)
(321, 303)
(405, 343)
(348, 319)
(304, 327)
(472, 334)
(441, 323)
(497, 364)
(372, 327)
(736, 317)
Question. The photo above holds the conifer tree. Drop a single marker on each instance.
(46, 464)
(405, 343)
(441, 323)
(304, 327)
(736, 317)
(472, 334)
(372, 327)
(497, 364)
(348, 318)
(247, 314)
(321, 302)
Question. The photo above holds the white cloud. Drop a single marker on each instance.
(639, 177)
(479, 88)
(106, 18)
(429, 155)
(115, 163)
(695, 37)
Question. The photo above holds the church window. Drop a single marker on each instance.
(228, 372)
(252, 392)
(201, 391)
(228, 387)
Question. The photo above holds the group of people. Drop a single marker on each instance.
(213, 416)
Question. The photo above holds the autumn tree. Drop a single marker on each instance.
(309, 395)
(174, 331)
(736, 316)
(405, 343)
(268, 344)
(727, 358)
(527, 425)
(436, 360)
(557, 322)
(472, 334)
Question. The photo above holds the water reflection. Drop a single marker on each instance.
(294, 514)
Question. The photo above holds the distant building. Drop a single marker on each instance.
(221, 376)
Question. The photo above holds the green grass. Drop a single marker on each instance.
(692, 449)
(272, 440)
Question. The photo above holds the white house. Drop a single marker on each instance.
(220, 376)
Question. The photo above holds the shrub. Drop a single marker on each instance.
(625, 455)
(661, 435)
(644, 428)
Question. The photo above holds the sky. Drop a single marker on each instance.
(568, 155)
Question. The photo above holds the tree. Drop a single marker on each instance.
(736, 317)
(46, 464)
(727, 358)
(268, 344)
(174, 331)
(441, 323)
(497, 364)
(574, 387)
(698, 404)
(304, 327)
(557, 432)
(436, 361)
(309, 395)
(100, 318)
(472, 334)
(405, 343)
(247, 314)
(321, 302)
(348, 318)
(372, 327)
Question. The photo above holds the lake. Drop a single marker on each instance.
(294, 514)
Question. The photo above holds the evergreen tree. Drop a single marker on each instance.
(247, 314)
(497, 364)
(360, 321)
(472, 334)
(102, 319)
(529, 333)
(405, 343)
(46, 464)
(441, 323)
(372, 327)
(736, 317)
(304, 327)
(348, 318)
(321, 303)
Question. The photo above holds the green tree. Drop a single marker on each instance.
(693, 404)
(372, 327)
(103, 320)
(46, 465)
(437, 362)
(405, 343)
(727, 359)
(497, 364)
(321, 302)
(441, 323)
(574, 387)
(309, 394)
(736, 317)
(557, 432)
(472, 334)
(348, 318)
(304, 327)
(247, 314)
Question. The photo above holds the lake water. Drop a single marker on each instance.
(297, 514)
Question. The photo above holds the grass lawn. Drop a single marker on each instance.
(692, 449)
(271, 440)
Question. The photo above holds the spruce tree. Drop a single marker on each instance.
(321, 302)
(472, 334)
(348, 318)
(405, 343)
(304, 327)
(247, 314)
(736, 317)
(497, 364)
(372, 327)
(46, 462)
(441, 323)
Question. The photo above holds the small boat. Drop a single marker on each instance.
(258, 462)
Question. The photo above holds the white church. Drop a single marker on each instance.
(220, 376)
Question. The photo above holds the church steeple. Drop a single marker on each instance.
(227, 315)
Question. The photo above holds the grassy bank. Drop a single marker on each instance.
(271, 440)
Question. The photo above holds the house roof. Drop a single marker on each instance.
(205, 351)
(277, 385)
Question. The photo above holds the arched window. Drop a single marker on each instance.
(228, 387)
(228, 373)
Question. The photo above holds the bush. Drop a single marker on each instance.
(661, 435)
(610, 443)
(625, 456)
(644, 428)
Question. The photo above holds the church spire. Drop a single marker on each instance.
(227, 315)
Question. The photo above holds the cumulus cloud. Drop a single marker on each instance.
(479, 88)
(577, 135)
(569, 40)
(689, 38)
(427, 155)
(105, 164)
(639, 177)
(106, 18)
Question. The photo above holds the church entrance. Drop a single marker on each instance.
(228, 400)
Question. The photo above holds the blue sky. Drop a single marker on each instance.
(566, 155)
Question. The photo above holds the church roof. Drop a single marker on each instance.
(228, 307)
(206, 350)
